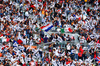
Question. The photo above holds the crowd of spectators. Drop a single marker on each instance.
(21, 19)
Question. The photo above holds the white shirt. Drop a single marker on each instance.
(32, 64)
(68, 47)
(59, 39)
(26, 13)
(24, 41)
(54, 62)
(76, 51)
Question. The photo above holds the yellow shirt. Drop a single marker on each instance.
(43, 12)
(46, 13)
(85, 0)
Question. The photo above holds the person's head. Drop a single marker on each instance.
(72, 47)
(80, 47)
(75, 47)
(59, 46)
(99, 39)
(84, 52)
(45, 35)
(32, 60)
(1, 63)
(91, 47)
(68, 35)
(68, 43)
(75, 59)
(52, 34)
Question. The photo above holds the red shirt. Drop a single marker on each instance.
(98, 41)
(7, 40)
(36, 63)
(88, 10)
(41, 39)
(68, 62)
(81, 50)
(32, 6)
(44, 5)
(3, 48)
(95, 54)
(1, 35)
(19, 41)
(39, 42)
(99, 1)
(47, 59)
(24, 64)
(80, 54)
(40, 0)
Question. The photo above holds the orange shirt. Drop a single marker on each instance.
(0, 54)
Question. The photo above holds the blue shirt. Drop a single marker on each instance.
(45, 39)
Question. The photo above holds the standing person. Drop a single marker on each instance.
(68, 48)
(41, 34)
(81, 50)
(98, 41)
(84, 55)
(91, 52)
(72, 53)
(50, 50)
(88, 39)
(45, 39)
(47, 59)
(40, 52)
(88, 11)
(68, 38)
(51, 37)
(76, 53)
(80, 55)
(27, 31)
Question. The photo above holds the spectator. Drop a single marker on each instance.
(68, 38)
(84, 55)
(72, 53)
(41, 34)
(91, 52)
(45, 39)
(80, 55)
(68, 48)
(23, 26)
(76, 53)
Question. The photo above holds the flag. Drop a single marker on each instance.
(47, 27)
(68, 30)
(97, 58)
(15, 44)
(62, 30)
